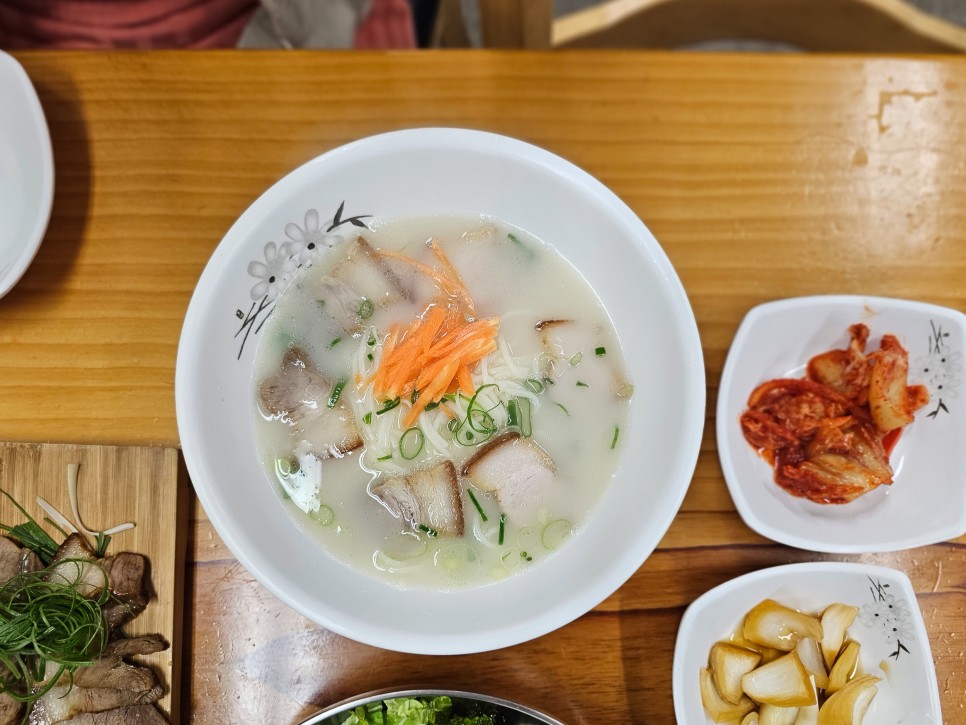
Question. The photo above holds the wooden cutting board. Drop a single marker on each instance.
(115, 485)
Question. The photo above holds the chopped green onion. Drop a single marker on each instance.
(324, 516)
(502, 528)
(430, 406)
(372, 340)
(336, 393)
(431, 533)
(561, 406)
(534, 385)
(30, 535)
(411, 443)
(555, 532)
(335, 342)
(516, 240)
(625, 391)
(414, 397)
(526, 556)
(453, 425)
(526, 423)
(600, 351)
(366, 309)
(582, 384)
(385, 457)
(549, 381)
(369, 356)
(617, 432)
(576, 358)
(512, 418)
(367, 418)
(321, 303)
(477, 504)
(469, 435)
(388, 405)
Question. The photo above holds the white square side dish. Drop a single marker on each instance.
(927, 501)
(889, 627)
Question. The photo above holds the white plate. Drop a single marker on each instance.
(889, 628)
(927, 501)
(26, 173)
(430, 171)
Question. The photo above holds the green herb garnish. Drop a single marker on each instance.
(336, 393)
(563, 408)
(431, 533)
(335, 342)
(411, 443)
(600, 351)
(388, 405)
(617, 432)
(366, 309)
(582, 384)
(502, 529)
(476, 503)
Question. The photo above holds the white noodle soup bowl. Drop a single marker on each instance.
(442, 171)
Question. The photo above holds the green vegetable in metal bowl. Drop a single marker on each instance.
(424, 711)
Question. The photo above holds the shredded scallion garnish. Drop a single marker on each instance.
(388, 405)
(335, 342)
(534, 385)
(430, 532)
(336, 393)
(411, 443)
(476, 503)
(386, 457)
(502, 529)
(563, 408)
(617, 432)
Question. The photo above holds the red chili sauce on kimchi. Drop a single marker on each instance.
(829, 435)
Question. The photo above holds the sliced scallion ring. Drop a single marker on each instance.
(555, 532)
(366, 308)
(411, 443)
(534, 385)
(324, 516)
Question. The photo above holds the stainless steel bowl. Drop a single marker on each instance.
(523, 715)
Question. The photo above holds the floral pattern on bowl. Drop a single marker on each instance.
(927, 501)
(889, 628)
(280, 263)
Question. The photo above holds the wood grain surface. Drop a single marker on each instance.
(762, 176)
(115, 485)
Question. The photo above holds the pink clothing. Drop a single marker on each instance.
(168, 24)
(388, 25)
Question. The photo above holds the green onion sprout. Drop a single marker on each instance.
(388, 405)
(502, 529)
(477, 504)
(411, 443)
(336, 393)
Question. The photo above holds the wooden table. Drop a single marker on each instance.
(762, 176)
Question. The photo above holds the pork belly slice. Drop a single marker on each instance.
(570, 348)
(126, 576)
(430, 497)
(15, 559)
(299, 393)
(372, 276)
(517, 471)
(75, 563)
(11, 711)
(108, 684)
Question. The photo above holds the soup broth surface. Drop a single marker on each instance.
(556, 386)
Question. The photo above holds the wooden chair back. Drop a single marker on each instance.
(876, 26)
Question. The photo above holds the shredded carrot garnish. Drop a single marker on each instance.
(435, 355)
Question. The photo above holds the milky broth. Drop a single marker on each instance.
(579, 419)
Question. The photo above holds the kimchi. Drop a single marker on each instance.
(829, 435)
